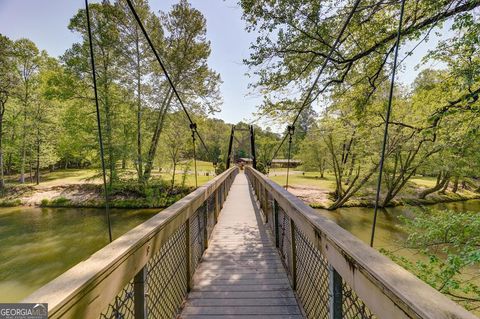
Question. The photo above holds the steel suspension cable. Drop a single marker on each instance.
(165, 72)
(307, 101)
(193, 127)
(99, 125)
(387, 120)
(291, 131)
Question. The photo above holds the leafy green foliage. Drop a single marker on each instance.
(450, 244)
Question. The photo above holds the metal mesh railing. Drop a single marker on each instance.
(166, 283)
(123, 305)
(285, 240)
(168, 272)
(312, 278)
(197, 246)
(352, 306)
(211, 218)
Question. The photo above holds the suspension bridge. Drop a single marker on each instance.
(242, 246)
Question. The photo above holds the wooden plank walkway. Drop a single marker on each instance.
(241, 275)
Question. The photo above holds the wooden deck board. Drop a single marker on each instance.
(241, 275)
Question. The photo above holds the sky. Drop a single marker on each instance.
(45, 22)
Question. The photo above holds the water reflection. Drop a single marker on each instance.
(38, 244)
(388, 232)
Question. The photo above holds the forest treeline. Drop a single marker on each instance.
(47, 110)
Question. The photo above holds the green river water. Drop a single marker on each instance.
(38, 244)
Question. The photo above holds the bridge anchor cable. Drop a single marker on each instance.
(165, 72)
(387, 120)
(193, 128)
(291, 131)
(99, 125)
(307, 101)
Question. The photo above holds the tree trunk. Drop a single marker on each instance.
(2, 178)
(9, 164)
(173, 174)
(322, 169)
(31, 169)
(350, 171)
(455, 184)
(22, 165)
(352, 189)
(445, 186)
(139, 112)
(156, 136)
(441, 181)
(38, 159)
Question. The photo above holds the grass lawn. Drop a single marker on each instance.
(81, 176)
(310, 179)
(190, 179)
(424, 181)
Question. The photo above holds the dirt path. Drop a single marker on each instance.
(310, 194)
(75, 193)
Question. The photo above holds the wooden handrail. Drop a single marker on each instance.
(387, 289)
(87, 289)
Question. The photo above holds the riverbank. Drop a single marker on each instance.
(317, 192)
(83, 189)
(90, 196)
(448, 197)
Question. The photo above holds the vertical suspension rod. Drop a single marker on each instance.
(291, 131)
(193, 127)
(252, 146)
(99, 125)
(230, 145)
(387, 120)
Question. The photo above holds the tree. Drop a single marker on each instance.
(177, 142)
(450, 240)
(186, 53)
(106, 50)
(287, 64)
(28, 60)
(313, 153)
(136, 56)
(8, 82)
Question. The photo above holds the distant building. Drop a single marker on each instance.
(245, 160)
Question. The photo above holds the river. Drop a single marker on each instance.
(39, 244)
(388, 233)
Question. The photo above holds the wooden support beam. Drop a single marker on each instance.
(139, 294)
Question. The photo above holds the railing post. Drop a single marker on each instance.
(265, 203)
(335, 289)
(188, 254)
(216, 206)
(205, 226)
(275, 225)
(199, 235)
(293, 254)
(139, 297)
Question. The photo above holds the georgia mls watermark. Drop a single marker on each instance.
(23, 311)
